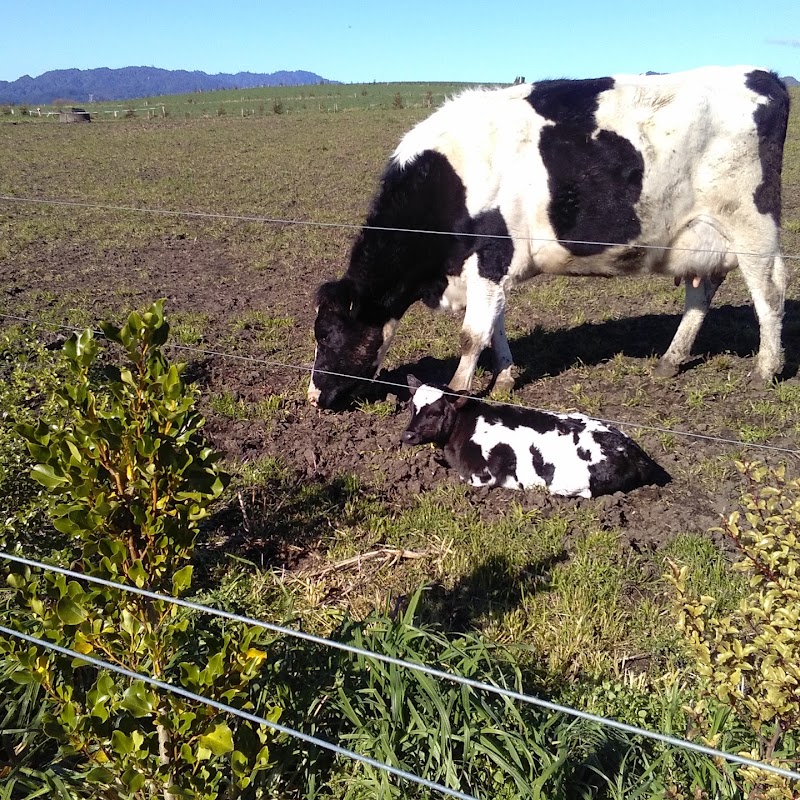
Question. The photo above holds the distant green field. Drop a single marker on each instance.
(267, 100)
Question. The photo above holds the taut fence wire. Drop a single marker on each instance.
(355, 226)
(423, 668)
(475, 685)
(794, 452)
(197, 698)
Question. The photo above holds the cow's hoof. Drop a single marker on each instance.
(504, 381)
(755, 380)
(666, 369)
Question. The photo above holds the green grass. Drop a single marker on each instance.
(264, 101)
(709, 570)
(188, 327)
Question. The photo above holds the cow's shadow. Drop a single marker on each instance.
(495, 586)
(542, 353)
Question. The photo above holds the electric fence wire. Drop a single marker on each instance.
(423, 668)
(197, 698)
(391, 384)
(355, 226)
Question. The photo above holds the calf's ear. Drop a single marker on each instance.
(413, 382)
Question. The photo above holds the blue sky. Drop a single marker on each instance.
(387, 40)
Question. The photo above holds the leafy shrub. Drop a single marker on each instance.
(128, 474)
(277, 107)
(29, 375)
(397, 101)
(749, 660)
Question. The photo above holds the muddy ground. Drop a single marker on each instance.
(555, 355)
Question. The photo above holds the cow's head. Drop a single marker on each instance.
(433, 413)
(351, 342)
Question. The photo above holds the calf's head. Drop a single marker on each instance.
(352, 340)
(433, 413)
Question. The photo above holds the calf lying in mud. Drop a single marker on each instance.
(517, 448)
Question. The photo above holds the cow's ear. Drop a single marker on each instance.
(413, 382)
(339, 295)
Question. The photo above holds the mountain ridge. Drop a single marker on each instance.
(103, 84)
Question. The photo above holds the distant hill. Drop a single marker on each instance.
(103, 84)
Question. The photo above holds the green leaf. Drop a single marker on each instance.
(120, 743)
(66, 525)
(100, 775)
(69, 612)
(111, 332)
(22, 676)
(219, 740)
(136, 700)
(81, 347)
(138, 574)
(133, 779)
(190, 674)
(182, 579)
(44, 474)
(16, 581)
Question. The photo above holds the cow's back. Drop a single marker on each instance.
(640, 161)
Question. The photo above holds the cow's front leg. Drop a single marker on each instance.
(503, 380)
(485, 306)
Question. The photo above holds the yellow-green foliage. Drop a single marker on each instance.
(749, 660)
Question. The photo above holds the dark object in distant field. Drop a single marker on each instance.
(75, 115)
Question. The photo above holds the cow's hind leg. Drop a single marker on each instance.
(766, 278)
(696, 305)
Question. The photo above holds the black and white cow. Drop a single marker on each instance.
(675, 175)
(519, 448)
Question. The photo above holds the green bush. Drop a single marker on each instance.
(749, 660)
(128, 474)
(29, 376)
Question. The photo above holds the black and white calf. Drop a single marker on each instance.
(517, 448)
(676, 175)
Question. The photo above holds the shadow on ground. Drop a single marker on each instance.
(542, 353)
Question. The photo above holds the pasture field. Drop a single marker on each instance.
(577, 584)
(263, 101)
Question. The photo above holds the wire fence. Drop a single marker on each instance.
(357, 226)
(790, 451)
(179, 690)
(422, 668)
